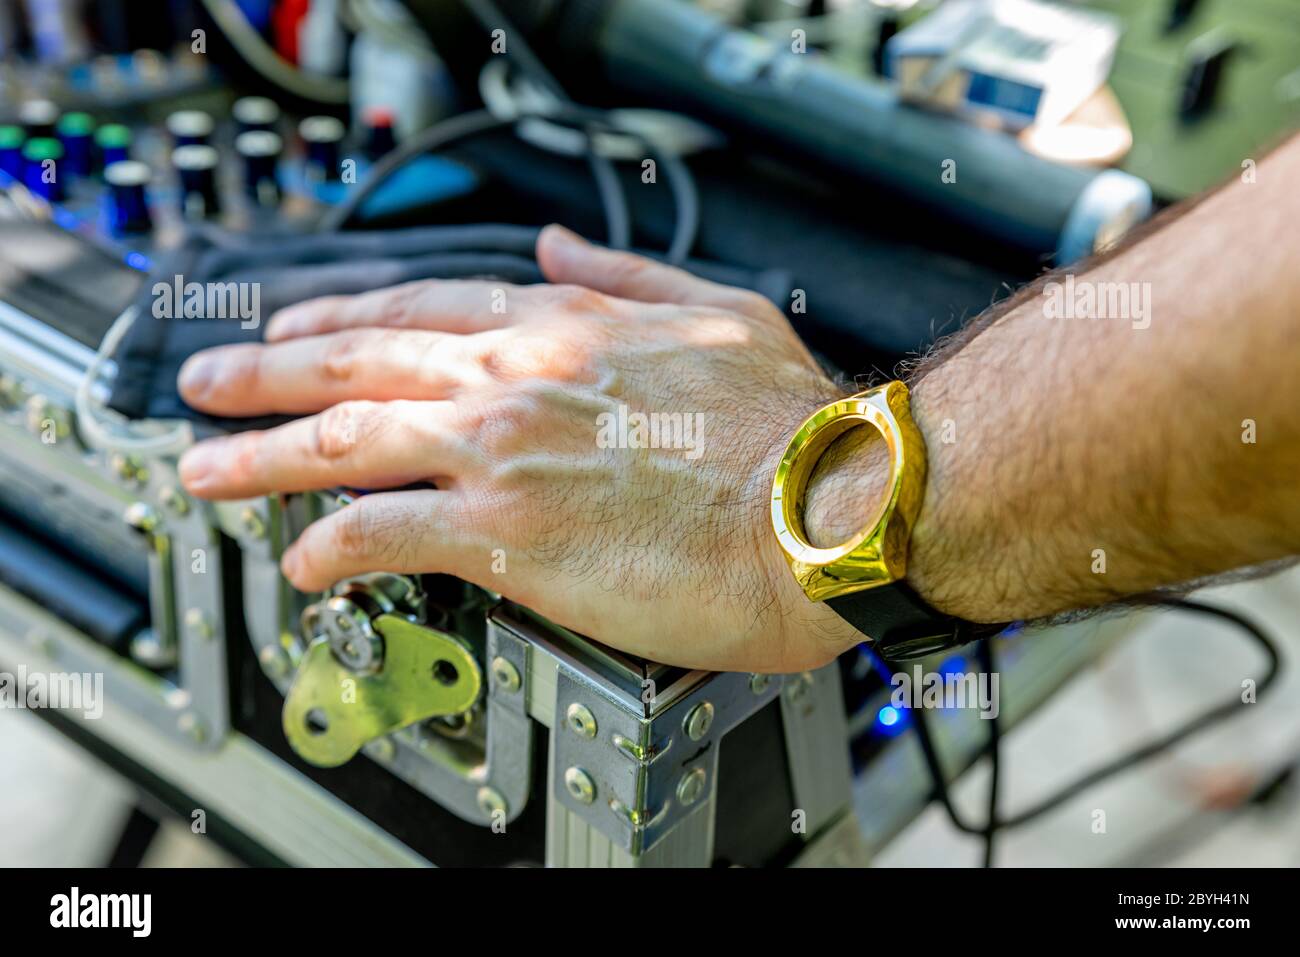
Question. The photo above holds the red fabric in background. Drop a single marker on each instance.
(286, 21)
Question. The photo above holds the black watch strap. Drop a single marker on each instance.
(902, 625)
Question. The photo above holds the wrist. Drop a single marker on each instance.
(847, 489)
(951, 561)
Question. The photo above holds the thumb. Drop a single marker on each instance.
(565, 257)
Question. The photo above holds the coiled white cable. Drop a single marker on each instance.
(262, 58)
(97, 432)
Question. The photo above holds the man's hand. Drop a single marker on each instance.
(521, 404)
(1072, 461)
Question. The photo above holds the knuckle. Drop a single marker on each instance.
(554, 356)
(247, 370)
(492, 362)
(752, 304)
(354, 534)
(436, 363)
(716, 325)
(403, 304)
(344, 353)
(625, 266)
(574, 298)
(339, 429)
(505, 359)
(382, 306)
(496, 425)
(244, 461)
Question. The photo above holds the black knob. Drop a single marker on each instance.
(189, 127)
(42, 168)
(254, 113)
(380, 136)
(128, 204)
(323, 138)
(196, 167)
(39, 117)
(261, 153)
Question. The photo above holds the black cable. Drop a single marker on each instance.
(937, 777)
(1119, 764)
(466, 125)
(490, 18)
(686, 200)
(618, 220)
(459, 127)
(618, 223)
(453, 130)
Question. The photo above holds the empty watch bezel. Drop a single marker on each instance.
(877, 553)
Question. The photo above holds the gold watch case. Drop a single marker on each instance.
(876, 555)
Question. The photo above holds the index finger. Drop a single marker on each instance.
(460, 306)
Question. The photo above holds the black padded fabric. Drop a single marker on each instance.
(293, 267)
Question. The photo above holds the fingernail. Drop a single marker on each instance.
(280, 326)
(289, 564)
(196, 375)
(555, 233)
(195, 466)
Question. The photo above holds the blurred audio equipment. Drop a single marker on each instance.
(481, 734)
(675, 55)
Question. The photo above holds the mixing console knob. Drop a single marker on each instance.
(11, 150)
(39, 117)
(42, 168)
(255, 113)
(196, 166)
(189, 127)
(76, 132)
(323, 137)
(128, 203)
(261, 153)
(114, 142)
(380, 140)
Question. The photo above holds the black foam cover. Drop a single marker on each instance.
(293, 267)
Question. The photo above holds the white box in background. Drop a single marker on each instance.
(1011, 62)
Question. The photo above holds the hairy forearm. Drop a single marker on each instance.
(1078, 460)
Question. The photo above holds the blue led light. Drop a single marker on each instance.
(65, 219)
(891, 721)
(138, 261)
(956, 665)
